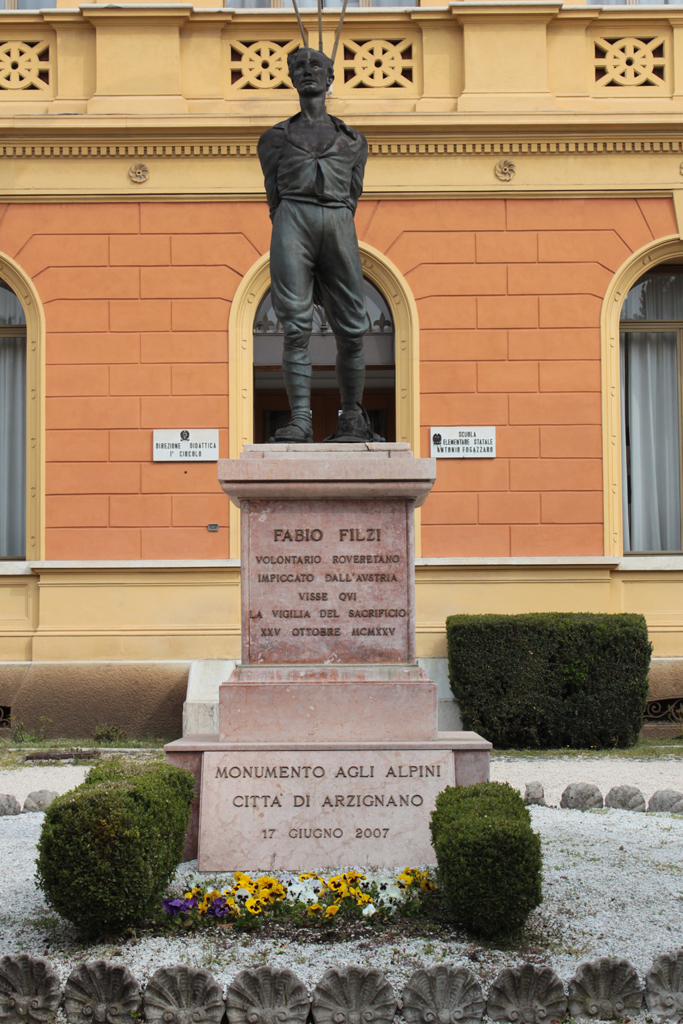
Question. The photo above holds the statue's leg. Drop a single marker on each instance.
(341, 281)
(292, 256)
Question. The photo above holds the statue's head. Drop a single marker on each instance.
(311, 71)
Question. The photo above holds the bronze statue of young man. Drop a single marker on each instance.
(313, 165)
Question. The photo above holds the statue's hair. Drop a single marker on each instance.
(327, 61)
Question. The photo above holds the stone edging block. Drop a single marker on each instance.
(602, 989)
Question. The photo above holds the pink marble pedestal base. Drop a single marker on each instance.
(328, 752)
(293, 806)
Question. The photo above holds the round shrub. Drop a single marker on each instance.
(482, 798)
(109, 848)
(489, 857)
(490, 870)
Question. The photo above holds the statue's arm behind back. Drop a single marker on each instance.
(358, 172)
(269, 147)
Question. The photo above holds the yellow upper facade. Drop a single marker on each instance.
(536, 59)
(444, 88)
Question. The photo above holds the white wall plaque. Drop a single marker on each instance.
(185, 446)
(462, 442)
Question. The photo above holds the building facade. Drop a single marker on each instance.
(520, 234)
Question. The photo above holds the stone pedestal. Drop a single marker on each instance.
(328, 751)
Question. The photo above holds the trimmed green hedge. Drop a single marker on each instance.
(550, 679)
(489, 858)
(492, 798)
(109, 848)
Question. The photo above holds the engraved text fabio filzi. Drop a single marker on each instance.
(329, 587)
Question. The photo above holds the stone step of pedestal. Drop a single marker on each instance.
(328, 711)
(328, 702)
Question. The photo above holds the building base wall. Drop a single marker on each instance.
(87, 643)
(71, 699)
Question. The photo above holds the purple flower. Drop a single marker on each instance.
(173, 906)
(178, 906)
(218, 907)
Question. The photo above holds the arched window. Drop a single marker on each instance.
(12, 425)
(271, 408)
(651, 360)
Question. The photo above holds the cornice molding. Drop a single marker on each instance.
(428, 145)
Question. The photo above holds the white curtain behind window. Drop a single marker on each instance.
(649, 388)
(656, 296)
(13, 447)
(625, 471)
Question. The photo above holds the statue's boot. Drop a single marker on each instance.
(299, 430)
(353, 427)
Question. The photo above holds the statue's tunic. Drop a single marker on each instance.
(312, 199)
(332, 178)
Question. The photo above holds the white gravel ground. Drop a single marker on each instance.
(22, 781)
(555, 774)
(612, 884)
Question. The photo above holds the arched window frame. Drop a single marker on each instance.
(648, 256)
(393, 286)
(25, 291)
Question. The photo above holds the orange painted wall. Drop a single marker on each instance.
(509, 295)
(137, 298)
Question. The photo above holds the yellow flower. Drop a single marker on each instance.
(270, 889)
(253, 905)
(332, 910)
(338, 886)
(428, 885)
(314, 908)
(407, 876)
(352, 876)
(233, 907)
(361, 898)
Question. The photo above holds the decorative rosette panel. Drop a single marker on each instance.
(261, 64)
(630, 62)
(25, 66)
(378, 64)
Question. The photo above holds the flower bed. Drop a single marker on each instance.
(307, 899)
